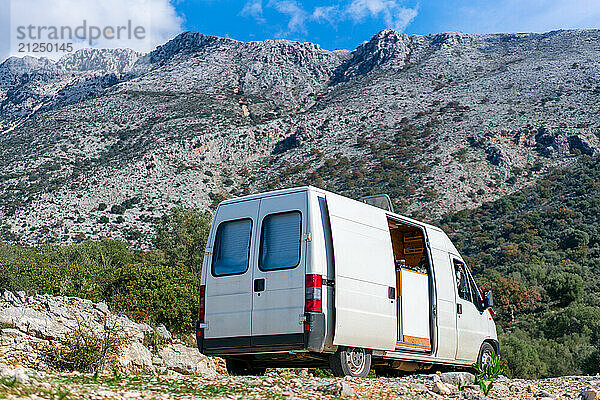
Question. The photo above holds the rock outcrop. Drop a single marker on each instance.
(34, 329)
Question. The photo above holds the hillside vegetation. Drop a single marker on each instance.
(157, 286)
(539, 251)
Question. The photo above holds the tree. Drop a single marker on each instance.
(564, 287)
(575, 238)
(181, 235)
(512, 297)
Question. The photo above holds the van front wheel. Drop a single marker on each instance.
(350, 361)
(487, 353)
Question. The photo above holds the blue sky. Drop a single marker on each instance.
(345, 24)
(342, 24)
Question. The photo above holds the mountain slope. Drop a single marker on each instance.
(97, 146)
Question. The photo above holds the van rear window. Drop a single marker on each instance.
(232, 247)
(280, 241)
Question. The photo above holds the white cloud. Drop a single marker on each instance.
(254, 9)
(158, 18)
(325, 13)
(525, 16)
(297, 15)
(394, 14)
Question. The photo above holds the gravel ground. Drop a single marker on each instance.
(280, 385)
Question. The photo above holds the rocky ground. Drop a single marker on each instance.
(294, 384)
(44, 332)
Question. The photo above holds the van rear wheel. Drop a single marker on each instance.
(236, 366)
(350, 361)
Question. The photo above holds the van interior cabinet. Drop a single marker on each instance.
(415, 310)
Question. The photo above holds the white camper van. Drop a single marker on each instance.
(307, 278)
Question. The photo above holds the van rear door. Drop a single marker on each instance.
(365, 279)
(228, 268)
(279, 276)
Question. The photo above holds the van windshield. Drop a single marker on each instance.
(232, 247)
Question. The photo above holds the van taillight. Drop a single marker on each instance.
(314, 285)
(202, 303)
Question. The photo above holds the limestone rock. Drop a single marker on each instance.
(186, 360)
(589, 394)
(173, 126)
(457, 378)
(164, 333)
(136, 358)
(341, 389)
(441, 388)
(18, 374)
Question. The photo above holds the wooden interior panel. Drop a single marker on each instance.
(408, 243)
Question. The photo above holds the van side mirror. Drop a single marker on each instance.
(488, 300)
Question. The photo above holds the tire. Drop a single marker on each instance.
(350, 361)
(236, 367)
(487, 353)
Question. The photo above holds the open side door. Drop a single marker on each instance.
(365, 281)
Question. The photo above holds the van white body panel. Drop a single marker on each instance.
(446, 303)
(365, 316)
(277, 309)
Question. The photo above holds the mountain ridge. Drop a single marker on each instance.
(442, 122)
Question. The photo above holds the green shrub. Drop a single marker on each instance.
(159, 286)
(564, 287)
(84, 350)
(181, 235)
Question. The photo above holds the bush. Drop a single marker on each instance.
(564, 287)
(146, 286)
(84, 350)
(181, 235)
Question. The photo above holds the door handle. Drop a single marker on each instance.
(391, 293)
(259, 285)
(458, 308)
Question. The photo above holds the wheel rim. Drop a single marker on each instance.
(356, 359)
(487, 357)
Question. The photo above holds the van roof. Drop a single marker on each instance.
(321, 191)
(441, 238)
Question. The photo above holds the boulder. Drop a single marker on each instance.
(589, 394)
(341, 389)
(457, 378)
(135, 358)
(187, 360)
(164, 333)
(33, 326)
(583, 144)
(441, 388)
(18, 374)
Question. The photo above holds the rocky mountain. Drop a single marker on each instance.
(103, 141)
